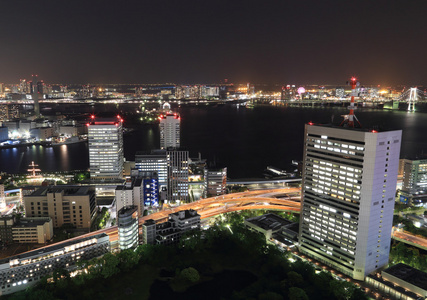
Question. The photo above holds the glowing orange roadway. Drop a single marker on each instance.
(290, 201)
(410, 239)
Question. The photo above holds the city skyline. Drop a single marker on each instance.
(193, 41)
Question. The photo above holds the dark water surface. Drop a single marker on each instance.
(244, 140)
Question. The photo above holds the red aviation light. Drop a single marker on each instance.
(374, 131)
(353, 79)
(118, 117)
(121, 120)
(92, 116)
(310, 123)
(87, 124)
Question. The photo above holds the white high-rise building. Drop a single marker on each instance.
(169, 131)
(105, 137)
(349, 186)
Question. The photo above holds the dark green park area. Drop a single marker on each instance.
(219, 263)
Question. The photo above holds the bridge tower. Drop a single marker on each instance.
(413, 97)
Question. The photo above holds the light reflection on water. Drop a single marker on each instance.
(244, 140)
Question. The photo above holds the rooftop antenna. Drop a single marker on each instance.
(349, 119)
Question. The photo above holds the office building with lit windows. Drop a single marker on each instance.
(177, 175)
(169, 131)
(215, 182)
(154, 162)
(349, 186)
(414, 178)
(105, 139)
(127, 221)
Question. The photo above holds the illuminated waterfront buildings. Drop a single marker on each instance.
(349, 185)
(105, 138)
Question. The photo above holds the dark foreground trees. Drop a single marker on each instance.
(197, 260)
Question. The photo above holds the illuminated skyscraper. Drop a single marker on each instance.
(177, 175)
(169, 131)
(105, 137)
(349, 186)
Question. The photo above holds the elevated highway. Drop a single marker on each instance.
(284, 199)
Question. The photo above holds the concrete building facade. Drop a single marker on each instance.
(32, 230)
(215, 182)
(74, 205)
(349, 185)
(171, 231)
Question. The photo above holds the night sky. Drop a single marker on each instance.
(201, 41)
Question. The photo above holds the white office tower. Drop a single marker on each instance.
(169, 131)
(349, 186)
(177, 175)
(105, 139)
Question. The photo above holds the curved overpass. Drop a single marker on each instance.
(290, 200)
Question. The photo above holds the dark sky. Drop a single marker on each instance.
(202, 41)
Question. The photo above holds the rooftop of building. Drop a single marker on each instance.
(105, 121)
(356, 128)
(269, 221)
(169, 114)
(129, 185)
(408, 274)
(185, 214)
(31, 222)
(68, 190)
(53, 248)
(127, 211)
(152, 153)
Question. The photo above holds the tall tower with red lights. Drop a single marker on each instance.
(351, 117)
(105, 140)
